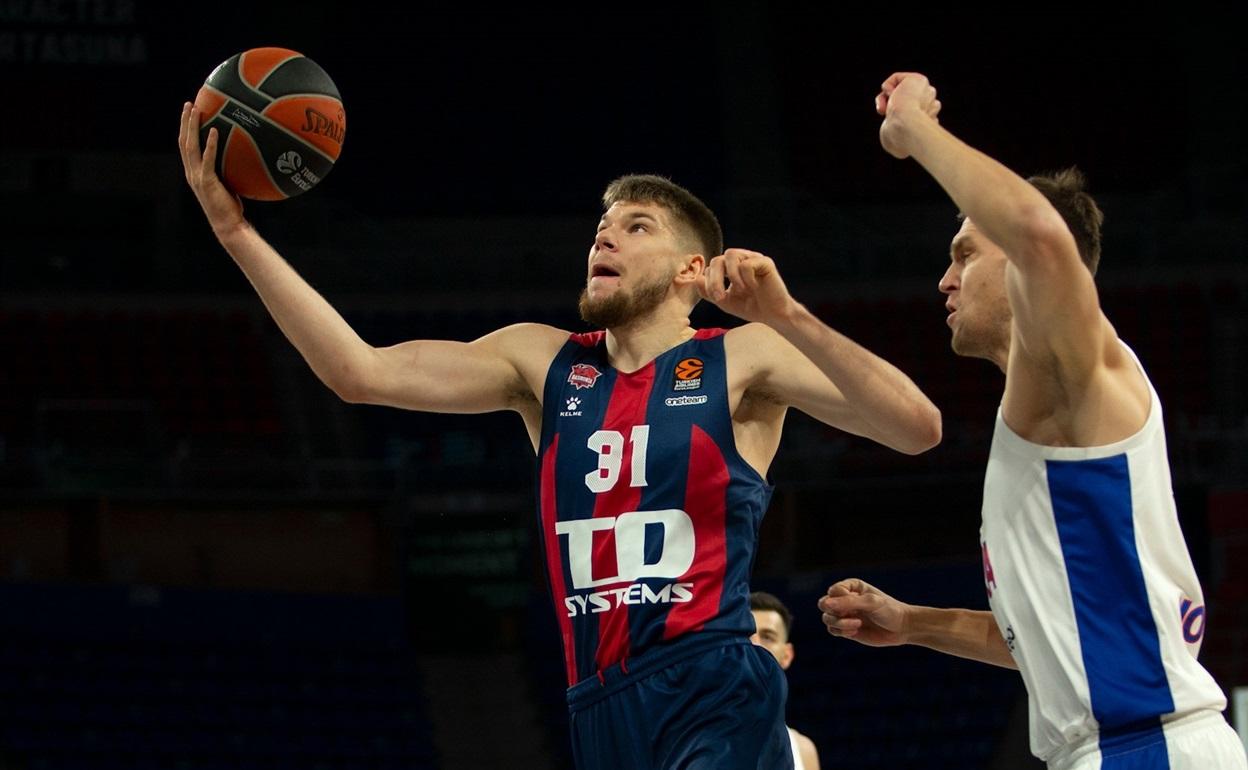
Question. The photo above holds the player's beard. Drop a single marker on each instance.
(622, 308)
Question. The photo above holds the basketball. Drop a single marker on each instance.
(280, 122)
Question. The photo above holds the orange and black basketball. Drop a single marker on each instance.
(280, 122)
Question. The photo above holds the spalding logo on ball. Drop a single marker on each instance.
(279, 119)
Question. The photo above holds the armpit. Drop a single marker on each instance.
(519, 397)
(761, 397)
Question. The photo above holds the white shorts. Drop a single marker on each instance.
(1199, 741)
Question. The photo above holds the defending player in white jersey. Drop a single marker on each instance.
(774, 624)
(1093, 594)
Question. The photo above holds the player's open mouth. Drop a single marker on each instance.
(602, 271)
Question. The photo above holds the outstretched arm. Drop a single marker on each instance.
(804, 363)
(429, 375)
(1052, 295)
(858, 610)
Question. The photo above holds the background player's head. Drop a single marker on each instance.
(653, 241)
(772, 621)
(975, 280)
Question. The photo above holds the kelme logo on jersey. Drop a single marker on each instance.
(573, 408)
(583, 376)
(688, 374)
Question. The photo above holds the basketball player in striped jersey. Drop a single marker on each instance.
(653, 442)
(1093, 594)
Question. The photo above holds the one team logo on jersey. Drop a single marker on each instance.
(688, 374)
(685, 400)
(583, 376)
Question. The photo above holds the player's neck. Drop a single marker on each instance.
(1000, 355)
(636, 344)
(995, 351)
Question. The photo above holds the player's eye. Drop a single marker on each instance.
(637, 227)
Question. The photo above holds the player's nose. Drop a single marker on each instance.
(604, 241)
(949, 281)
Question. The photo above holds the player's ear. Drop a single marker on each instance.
(787, 654)
(690, 269)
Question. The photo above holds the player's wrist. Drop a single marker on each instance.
(907, 126)
(918, 625)
(230, 229)
(788, 318)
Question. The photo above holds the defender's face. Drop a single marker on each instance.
(635, 247)
(974, 287)
(769, 633)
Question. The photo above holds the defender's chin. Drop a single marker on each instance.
(960, 344)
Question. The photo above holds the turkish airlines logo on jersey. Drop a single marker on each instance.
(688, 374)
(583, 376)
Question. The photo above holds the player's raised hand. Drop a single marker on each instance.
(223, 208)
(858, 610)
(904, 96)
(746, 284)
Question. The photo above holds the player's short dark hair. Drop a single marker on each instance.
(694, 216)
(763, 601)
(1066, 191)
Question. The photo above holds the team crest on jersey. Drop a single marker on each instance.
(688, 374)
(583, 376)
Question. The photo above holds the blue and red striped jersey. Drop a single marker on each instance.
(649, 516)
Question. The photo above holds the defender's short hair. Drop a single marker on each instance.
(763, 601)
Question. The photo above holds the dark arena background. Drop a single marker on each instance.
(208, 561)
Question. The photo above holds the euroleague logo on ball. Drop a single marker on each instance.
(289, 162)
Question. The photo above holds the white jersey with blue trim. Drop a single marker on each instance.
(1092, 586)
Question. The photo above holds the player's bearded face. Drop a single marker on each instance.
(622, 307)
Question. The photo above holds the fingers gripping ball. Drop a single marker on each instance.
(279, 120)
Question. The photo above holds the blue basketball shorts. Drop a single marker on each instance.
(707, 702)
